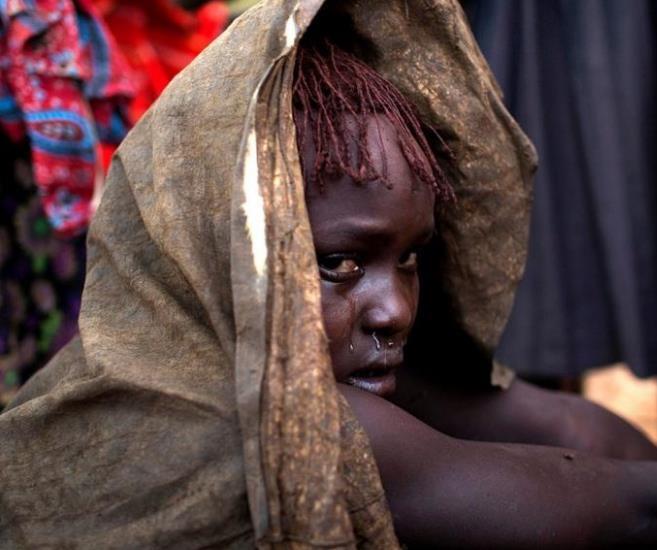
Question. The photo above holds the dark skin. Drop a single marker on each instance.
(522, 414)
(444, 490)
(368, 266)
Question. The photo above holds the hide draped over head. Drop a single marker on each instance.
(198, 406)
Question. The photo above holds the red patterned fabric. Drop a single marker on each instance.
(65, 87)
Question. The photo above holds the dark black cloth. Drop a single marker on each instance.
(579, 76)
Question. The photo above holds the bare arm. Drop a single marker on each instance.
(452, 492)
(523, 414)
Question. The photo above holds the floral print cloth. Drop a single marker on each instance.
(41, 276)
(64, 93)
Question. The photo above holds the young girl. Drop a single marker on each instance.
(372, 187)
(199, 407)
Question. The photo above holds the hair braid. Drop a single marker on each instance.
(330, 83)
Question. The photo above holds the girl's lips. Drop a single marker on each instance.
(376, 380)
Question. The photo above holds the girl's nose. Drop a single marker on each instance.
(389, 307)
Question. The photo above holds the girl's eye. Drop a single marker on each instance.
(338, 268)
(409, 261)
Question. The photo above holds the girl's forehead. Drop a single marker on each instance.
(380, 144)
(342, 198)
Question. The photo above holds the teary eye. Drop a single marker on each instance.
(408, 261)
(338, 268)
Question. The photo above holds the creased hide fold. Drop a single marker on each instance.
(198, 407)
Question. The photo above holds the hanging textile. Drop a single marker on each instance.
(580, 79)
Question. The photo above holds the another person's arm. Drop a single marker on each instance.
(451, 492)
(522, 414)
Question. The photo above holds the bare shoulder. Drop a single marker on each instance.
(385, 422)
(438, 487)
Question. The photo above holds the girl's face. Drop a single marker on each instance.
(367, 237)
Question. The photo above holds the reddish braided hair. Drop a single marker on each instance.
(330, 83)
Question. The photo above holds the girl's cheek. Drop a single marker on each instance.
(337, 311)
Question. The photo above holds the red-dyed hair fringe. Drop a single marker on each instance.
(330, 83)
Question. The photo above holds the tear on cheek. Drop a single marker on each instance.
(339, 315)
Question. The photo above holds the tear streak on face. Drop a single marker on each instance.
(367, 237)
